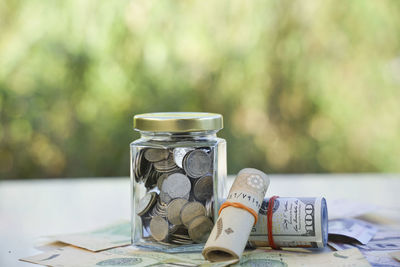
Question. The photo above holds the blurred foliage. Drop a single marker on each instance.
(304, 86)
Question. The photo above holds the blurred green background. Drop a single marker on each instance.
(304, 86)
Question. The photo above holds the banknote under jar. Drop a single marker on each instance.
(178, 174)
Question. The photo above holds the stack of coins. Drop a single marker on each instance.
(177, 207)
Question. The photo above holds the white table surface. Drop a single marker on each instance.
(30, 209)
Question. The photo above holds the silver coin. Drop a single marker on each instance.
(161, 209)
(159, 228)
(190, 211)
(146, 203)
(182, 241)
(149, 172)
(210, 208)
(179, 153)
(151, 179)
(164, 197)
(181, 232)
(156, 154)
(174, 210)
(181, 236)
(166, 165)
(161, 179)
(141, 165)
(187, 196)
(203, 188)
(177, 185)
(173, 228)
(136, 166)
(136, 163)
(197, 163)
(200, 228)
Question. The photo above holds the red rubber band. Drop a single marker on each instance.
(240, 206)
(269, 221)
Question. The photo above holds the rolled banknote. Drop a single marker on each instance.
(238, 214)
(296, 222)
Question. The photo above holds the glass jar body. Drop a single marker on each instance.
(177, 182)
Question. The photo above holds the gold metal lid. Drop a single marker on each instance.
(177, 122)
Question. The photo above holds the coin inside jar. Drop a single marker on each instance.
(197, 163)
(210, 208)
(173, 228)
(174, 210)
(203, 188)
(181, 236)
(200, 228)
(179, 153)
(141, 166)
(156, 154)
(151, 179)
(161, 180)
(159, 228)
(164, 197)
(177, 185)
(166, 165)
(146, 202)
(191, 210)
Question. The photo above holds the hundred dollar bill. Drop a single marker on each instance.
(115, 235)
(265, 257)
(230, 233)
(344, 258)
(296, 222)
(362, 231)
(129, 256)
(377, 250)
(196, 259)
(72, 256)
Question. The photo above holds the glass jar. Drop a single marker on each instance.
(178, 175)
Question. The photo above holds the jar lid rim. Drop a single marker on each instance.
(177, 122)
